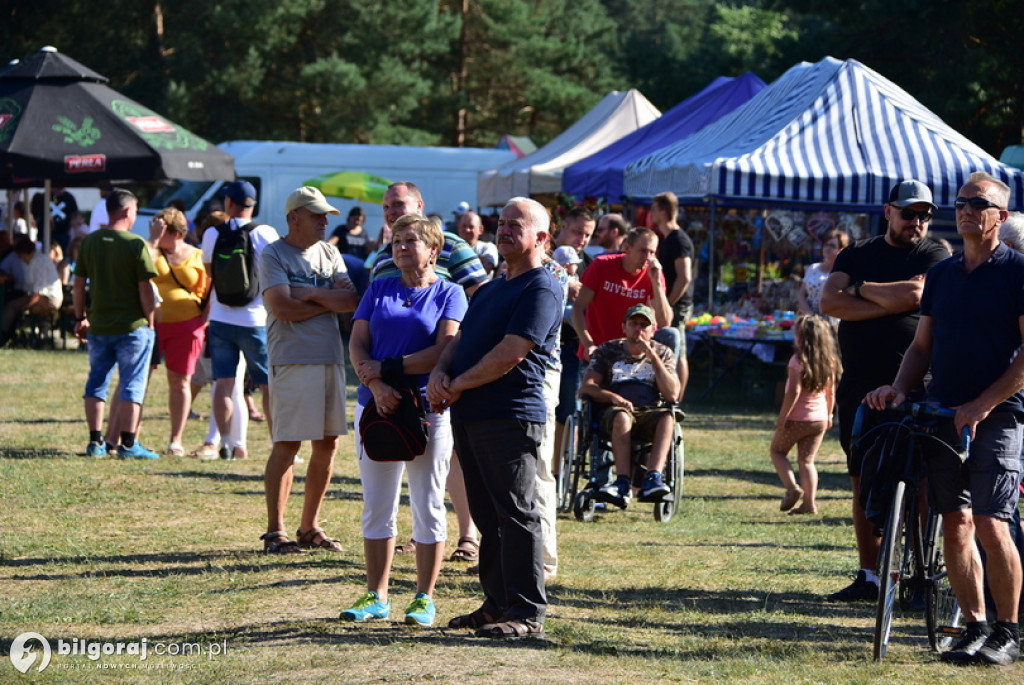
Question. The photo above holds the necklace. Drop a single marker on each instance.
(409, 293)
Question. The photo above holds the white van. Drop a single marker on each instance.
(445, 175)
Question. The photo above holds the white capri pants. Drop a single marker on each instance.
(382, 486)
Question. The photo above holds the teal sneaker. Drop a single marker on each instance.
(96, 449)
(421, 611)
(136, 451)
(368, 606)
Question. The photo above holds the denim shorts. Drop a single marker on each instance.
(987, 483)
(226, 340)
(131, 353)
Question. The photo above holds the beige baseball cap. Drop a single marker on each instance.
(310, 198)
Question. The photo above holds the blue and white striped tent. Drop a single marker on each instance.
(829, 133)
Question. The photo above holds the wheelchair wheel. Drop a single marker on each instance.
(583, 506)
(565, 481)
(663, 511)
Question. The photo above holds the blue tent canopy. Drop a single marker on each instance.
(600, 175)
(833, 133)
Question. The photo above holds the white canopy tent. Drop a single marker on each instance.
(618, 114)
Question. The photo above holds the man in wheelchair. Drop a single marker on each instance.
(635, 377)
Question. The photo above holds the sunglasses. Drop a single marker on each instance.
(908, 214)
(978, 203)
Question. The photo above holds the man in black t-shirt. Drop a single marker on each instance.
(875, 290)
(675, 252)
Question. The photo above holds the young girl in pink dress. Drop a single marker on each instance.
(807, 408)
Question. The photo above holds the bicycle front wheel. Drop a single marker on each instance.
(890, 570)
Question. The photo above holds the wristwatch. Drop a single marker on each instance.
(856, 289)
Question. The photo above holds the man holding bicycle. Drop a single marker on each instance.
(875, 289)
(971, 328)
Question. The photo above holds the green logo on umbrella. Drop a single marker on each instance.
(84, 135)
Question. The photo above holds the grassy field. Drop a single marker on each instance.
(109, 551)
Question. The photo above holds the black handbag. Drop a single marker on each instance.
(401, 435)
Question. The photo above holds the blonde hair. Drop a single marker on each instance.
(174, 219)
(429, 230)
(818, 352)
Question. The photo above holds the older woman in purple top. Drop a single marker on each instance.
(412, 317)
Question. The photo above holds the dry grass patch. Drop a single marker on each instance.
(729, 590)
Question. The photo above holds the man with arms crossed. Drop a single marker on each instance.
(304, 285)
(970, 333)
(875, 289)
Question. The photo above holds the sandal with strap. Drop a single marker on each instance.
(468, 550)
(277, 542)
(474, 620)
(407, 548)
(316, 538)
(512, 629)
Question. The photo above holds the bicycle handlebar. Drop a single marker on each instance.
(919, 410)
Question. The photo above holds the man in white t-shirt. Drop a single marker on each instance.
(470, 229)
(37, 286)
(236, 330)
(98, 217)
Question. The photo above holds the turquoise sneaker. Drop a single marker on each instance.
(96, 449)
(136, 451)
(421, 611)
(368, 606)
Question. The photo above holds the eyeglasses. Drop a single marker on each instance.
(978, 203)
(908, 214)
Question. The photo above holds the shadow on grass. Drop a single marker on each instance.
(183, 564)
(827, 480)
(328, 631)
(251, 477)
(635, 604)
(36, 453)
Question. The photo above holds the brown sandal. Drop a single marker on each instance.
(512, 629)
(316, 538)
(468, 550)
(407, 548)
(473, 621)
(277, 542)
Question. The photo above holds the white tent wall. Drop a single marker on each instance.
(618, 114)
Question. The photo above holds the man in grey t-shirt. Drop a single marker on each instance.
(304, 285)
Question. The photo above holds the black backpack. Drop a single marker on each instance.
(234, 265)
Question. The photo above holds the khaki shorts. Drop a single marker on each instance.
(645, 421)
(307, 401)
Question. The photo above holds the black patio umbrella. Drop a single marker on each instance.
(59, 122)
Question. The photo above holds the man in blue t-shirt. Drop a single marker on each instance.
(969, 335)
(492, 375)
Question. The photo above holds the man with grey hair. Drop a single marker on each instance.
(1012, 231)
(971, 328)
(492, 375)
(305, 284)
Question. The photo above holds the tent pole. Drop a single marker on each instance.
(711, 259)
(47, 217)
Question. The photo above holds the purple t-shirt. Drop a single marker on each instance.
(405, 320)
